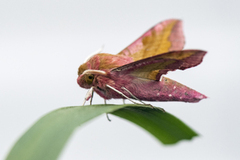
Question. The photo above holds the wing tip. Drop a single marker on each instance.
(202, 52)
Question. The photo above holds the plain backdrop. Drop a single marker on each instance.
(42, 44)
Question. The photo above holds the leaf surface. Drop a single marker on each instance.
(47, 137)
(164, 126)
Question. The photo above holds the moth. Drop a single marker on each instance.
(136, 73)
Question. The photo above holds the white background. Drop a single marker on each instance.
(42, 44)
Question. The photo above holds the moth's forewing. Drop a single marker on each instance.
(163, 37)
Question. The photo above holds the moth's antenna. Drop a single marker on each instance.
(96, 52)
(94, 71)
(161, 78)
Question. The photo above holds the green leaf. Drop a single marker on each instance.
(164, 126)
(47, 137)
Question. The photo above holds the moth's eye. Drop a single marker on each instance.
(89, 78)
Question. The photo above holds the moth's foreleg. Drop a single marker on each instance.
(89, 95)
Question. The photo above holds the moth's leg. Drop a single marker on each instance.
(135, 97)
(107, 113)
(140, 100)
(122, 94)
(91, 96)
(88, 95)
(108, 117)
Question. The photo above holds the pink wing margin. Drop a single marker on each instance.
(176, 37)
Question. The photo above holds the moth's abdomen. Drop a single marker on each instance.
(174, 91)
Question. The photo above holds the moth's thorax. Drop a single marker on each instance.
(104, 61)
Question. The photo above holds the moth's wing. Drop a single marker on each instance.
(153, 67)
(163, 37)
(164, 90)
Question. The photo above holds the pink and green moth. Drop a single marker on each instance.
(136, 73)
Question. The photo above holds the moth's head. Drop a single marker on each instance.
(87, 78)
